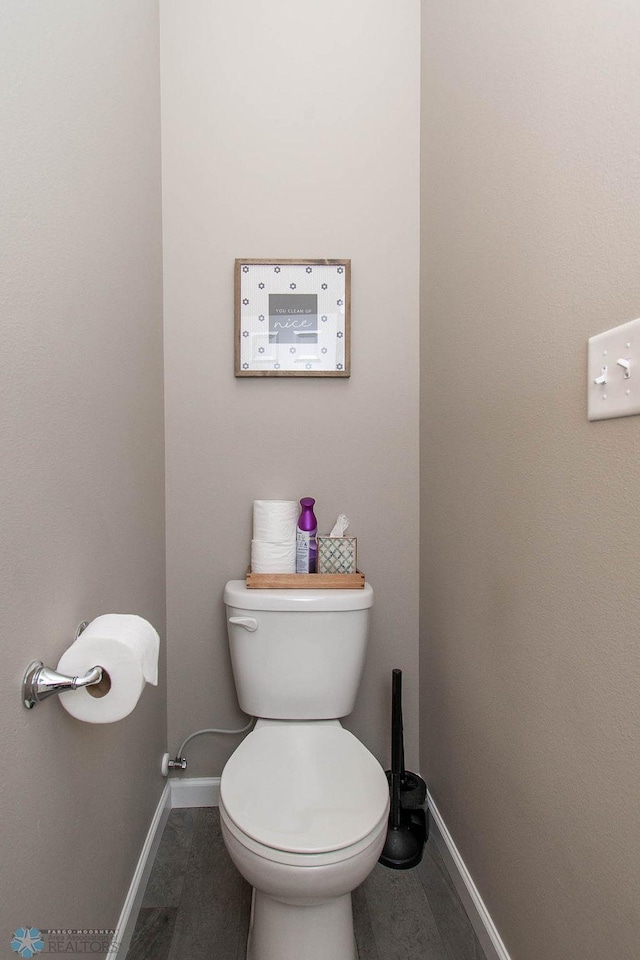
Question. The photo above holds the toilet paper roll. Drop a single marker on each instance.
(275, 520)
(127, 648)
(270, 557)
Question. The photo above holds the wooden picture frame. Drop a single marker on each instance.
(293, 318)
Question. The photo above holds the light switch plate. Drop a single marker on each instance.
(613, 368)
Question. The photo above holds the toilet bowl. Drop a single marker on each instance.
(303, 804)
(304, 810)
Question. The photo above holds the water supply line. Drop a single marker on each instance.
(180, 762)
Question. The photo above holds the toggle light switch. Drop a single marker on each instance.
(613, 370)
(626, 366)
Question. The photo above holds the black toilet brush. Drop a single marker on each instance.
(408, 824)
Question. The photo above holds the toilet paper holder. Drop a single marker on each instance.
(40, 682)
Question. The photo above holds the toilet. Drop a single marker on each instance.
(303, 804)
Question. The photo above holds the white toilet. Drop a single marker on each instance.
(303, 804)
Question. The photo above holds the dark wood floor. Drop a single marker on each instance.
(196, 904)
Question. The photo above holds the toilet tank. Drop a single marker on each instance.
(297, 654)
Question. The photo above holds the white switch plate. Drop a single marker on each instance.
(613, 369)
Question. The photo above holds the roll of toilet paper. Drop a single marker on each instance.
(127, 648)
(270, 557)
(275, 520)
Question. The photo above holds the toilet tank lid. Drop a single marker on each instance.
(237, 594)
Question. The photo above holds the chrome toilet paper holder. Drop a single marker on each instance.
(40, 682)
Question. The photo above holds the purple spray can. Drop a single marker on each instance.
(306, 543)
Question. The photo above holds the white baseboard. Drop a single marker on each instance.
(129, 914)
(195, 792)
(473, 903)
(205, 792)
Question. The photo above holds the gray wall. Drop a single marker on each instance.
(530, 563)
(82, 440)
(289, 130)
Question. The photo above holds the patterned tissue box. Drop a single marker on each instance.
(337, 554)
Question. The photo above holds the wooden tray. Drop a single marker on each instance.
(305, 581)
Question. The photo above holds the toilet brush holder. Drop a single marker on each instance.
(413, 790)
(408, 819)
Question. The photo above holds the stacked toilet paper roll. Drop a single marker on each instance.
(126, 647)
(273, 547)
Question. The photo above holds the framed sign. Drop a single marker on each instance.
(293, 318)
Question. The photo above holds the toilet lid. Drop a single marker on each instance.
(304, 788)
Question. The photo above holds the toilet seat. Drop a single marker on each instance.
(285, 858)
(304, 789)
